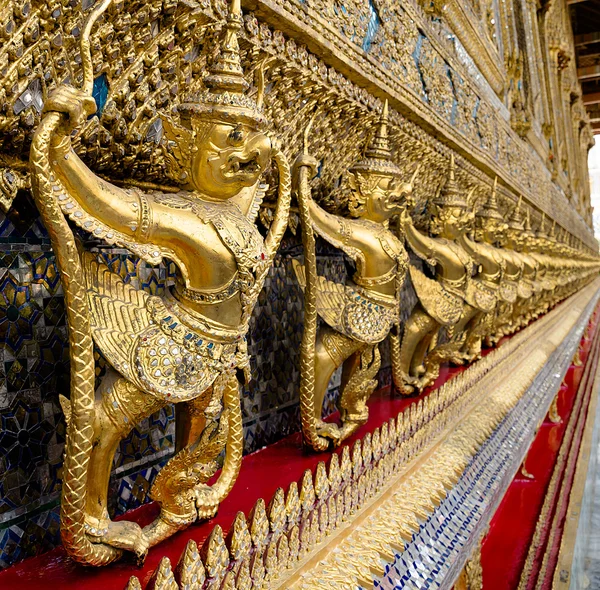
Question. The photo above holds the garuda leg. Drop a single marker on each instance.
(331, 350)
(119, 407)
(409, 367)
(359, 380)
(204, 429)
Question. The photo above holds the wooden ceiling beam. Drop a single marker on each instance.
(587, 39)
(592, 98)
(588, 73)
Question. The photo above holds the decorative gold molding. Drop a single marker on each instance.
(476, 42)
(513, 161)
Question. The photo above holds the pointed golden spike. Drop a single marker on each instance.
(418, 417)
(276, 512)
(257, 570)
(323, 520)
(392, 434)
(412, 419)
(384, 438)
(307, 492)
(383, 122)
(452, 167)
(403, 425)
(133, 584)
(238, 539)
(214, 554)
(356, 459)
(283, 553)
(334, 518)
(243, 580)
(294, 544)
(189, 572)
(271, 561)
(321, 481)
(376, 444)
(334, 475)
(292, 503)
(346, 464)
(367, 450)
(228, 581)
(162, 578)
(438, 400)
(314, 529)
(259, 525)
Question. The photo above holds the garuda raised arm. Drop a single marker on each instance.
(361, 313)
(187, 346)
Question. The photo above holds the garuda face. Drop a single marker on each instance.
(227, 159)
(378, 197)
(450, 222)
(489, 231)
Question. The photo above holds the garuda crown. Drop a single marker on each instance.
(490, 208)
(225, 98)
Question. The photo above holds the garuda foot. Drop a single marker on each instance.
(330, 431)
(123, 534)
(348, 429)
(207, 501)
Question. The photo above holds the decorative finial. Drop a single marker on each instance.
(527, 229)
(515, 219)
(541, 232)
(225, 98)
(226, 74)
(490, 208)
(450, 195)
(378, 154)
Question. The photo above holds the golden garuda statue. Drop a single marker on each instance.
(361, 313)
(524, 307)
(185, 347)
(511, 287)
(449, 300)
(488, 230)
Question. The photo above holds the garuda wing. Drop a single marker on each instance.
(443, 306)
(147, 340)
(349, 311)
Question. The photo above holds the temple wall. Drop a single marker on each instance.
(491, 82)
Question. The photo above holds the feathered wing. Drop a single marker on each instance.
(349, 312)
(443, 306)
(332, 298)
(118, 314)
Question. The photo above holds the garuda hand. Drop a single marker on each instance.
(74, 103)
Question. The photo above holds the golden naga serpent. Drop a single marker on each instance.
(309, 334)
(81, 347)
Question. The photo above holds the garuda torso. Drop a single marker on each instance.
(359, 309)
(442, 298)
(166, 345)
(509, 288)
